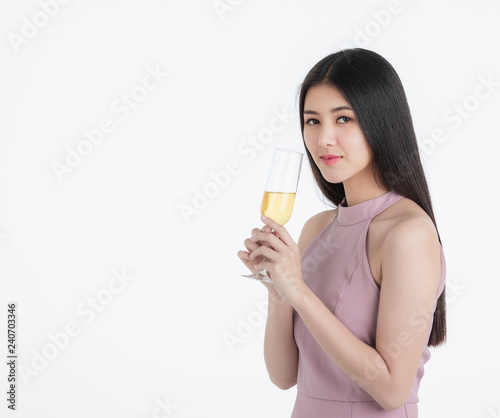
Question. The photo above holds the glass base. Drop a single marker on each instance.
(260, 276)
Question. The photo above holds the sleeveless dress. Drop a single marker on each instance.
(335, 267)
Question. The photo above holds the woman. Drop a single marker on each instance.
(358, 299)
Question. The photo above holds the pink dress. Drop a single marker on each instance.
(335, 267)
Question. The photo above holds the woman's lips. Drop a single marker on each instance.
(330, 159)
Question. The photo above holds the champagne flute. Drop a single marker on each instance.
(279, 194)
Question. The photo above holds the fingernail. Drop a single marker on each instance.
(263, 218)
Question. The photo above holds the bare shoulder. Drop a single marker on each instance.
(410, 254)
(406, 225)
(314, 226)
(404, 229)
(406, 220)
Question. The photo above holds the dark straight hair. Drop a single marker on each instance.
(369, 83)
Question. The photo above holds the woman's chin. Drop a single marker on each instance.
(333, 179)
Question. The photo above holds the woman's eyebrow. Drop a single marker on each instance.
(335, 109)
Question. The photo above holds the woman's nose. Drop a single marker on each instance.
(327, 136)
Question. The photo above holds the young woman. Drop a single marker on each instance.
(358, 299)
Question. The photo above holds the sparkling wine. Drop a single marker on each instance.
(277, 206)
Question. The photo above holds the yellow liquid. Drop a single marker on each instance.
(277, 206)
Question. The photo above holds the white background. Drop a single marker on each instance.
(163, 339)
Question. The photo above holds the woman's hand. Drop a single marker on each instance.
(251, 246)
(244, 256)
(281, 258)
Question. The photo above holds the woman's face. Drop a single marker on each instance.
(334, 138)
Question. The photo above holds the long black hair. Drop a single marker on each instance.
(369, 83)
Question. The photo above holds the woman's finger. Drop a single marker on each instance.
(243, 255)
(255, 231)
(264, 265)
(247, 261)
(263, 251)
(270, 239)
(280, 229)
(250, 245)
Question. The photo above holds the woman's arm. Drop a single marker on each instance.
(410, 279)
(280, 349)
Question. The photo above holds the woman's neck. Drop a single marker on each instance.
(359, 190)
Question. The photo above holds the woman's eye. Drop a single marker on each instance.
(343, 119)
(312, 121)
